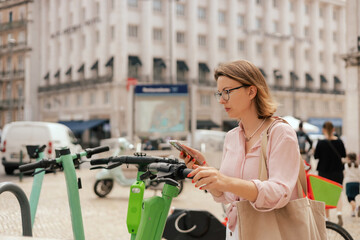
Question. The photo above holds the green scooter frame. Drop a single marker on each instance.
(65, 160)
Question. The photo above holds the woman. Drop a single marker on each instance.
(352, 180)
(244, 94)
(329, 151)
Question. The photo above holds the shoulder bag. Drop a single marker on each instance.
(300, 219)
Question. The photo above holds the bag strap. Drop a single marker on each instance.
(333, 148)
(263, 170)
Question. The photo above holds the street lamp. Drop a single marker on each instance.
(11, 43)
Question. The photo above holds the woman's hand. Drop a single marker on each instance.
(209, 178)
(191, 162)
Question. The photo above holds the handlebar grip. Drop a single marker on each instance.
(186, 171)
(92, 151)
(31, 166)
(99, 161)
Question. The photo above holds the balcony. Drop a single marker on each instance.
(75, 84)
(11, 103)
(13, 25)
(16, 47)
(9, 75)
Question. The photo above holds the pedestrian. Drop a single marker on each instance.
(302, 139)
(352, 180)
(330, 152)
(245, 96)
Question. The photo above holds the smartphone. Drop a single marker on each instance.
(178, 146)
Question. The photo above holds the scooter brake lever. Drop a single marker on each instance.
(37, 172)
(97, 167)
(114, 165)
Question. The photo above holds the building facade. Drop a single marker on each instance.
(92, 52)
(14, 56)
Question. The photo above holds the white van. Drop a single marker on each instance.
(16, 135)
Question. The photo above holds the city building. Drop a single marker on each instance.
(14, 56)
(352, 59)
(93, 52)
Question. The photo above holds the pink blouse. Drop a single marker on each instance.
(283, 168)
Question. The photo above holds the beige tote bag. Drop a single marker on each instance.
(300, 219)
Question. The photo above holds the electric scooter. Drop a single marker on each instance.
(146, 218)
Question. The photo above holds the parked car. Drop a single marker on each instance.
(16, 135)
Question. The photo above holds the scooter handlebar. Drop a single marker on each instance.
(99, 161)
(92, 151)
(40, 164)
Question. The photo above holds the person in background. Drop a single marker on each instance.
(243, 93)
(352, 180)
(330, 152)
(302, 139)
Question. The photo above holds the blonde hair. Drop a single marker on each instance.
(247, 73)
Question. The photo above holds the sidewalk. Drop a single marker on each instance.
(104, 218)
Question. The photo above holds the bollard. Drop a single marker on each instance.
(21, 161)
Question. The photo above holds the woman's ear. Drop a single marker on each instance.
(252, 91)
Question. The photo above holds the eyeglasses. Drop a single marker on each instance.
(225, 94)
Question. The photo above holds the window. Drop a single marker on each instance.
(112, 4)
(222, 43)
(92, 99)
(258, 23)
(334, 58)
(79, 99)
(291, 6)
(221, 17)
(21, 37)
(97, 9)
(307, 9)
(321, 56)
(259, 47)
(292, 52)
(106, 97)
(321, 34)
(240, 20)
(202, 40)
(133, 31)
(335, 14)
(10, 16)
(276, 26)
(292, 29)
(276, 50)
(157, 34)
(180, 37)
(307, 54)
(275, 3)
(205, 100)
(306, 31)
(157, 6)
(20, 63)
(321, 11)
(112, 32)
(180, 10)
(83, 14)
(258, 2)
(8, 64)
(241, 46)
(334, 36)
(201, 13)
(133, 3)
(97, 37)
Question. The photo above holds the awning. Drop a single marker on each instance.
(277, 74)
(323, 78)
(308, 77)
(110, 62)
(57, 74)
(81, 68)
(337, 122)
(159, 62)
(135, 60)
(336, 80)
(68, 72)
(78, 127)
(95, 65)
(263, 72)
(206, 124)
(293, 75)
(47, 76)
(230, 124)
(204, 67)
(182, 65)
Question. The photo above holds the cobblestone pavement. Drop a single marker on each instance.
(103, 218)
